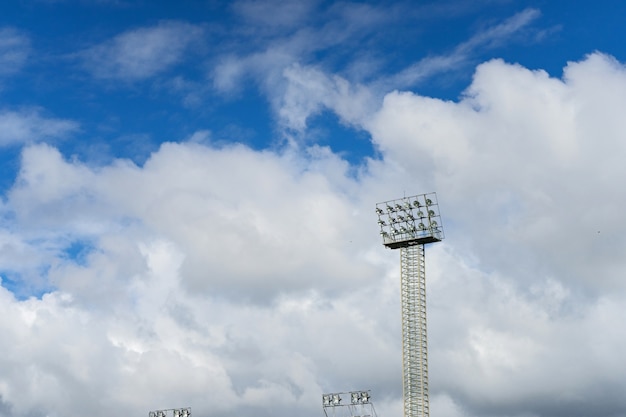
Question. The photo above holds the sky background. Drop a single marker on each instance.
(187, 194)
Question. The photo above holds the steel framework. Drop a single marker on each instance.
(414, 339)
(409, 224)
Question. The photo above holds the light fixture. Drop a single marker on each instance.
(365, 397)
(402, 222)
(355, 397)
(182, 412)
(331, 400)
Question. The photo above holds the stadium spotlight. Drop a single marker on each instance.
(410, 221)
(182, 412)
(365, 397)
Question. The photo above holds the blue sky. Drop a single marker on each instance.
(124, 111)
(187, 194)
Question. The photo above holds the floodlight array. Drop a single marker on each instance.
(182, 412)
(331, 400)
(176, 412)
(410, 221)
(335, 399)
(361, 397)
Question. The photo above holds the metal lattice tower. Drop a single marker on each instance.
(408, 224)
(414, 341)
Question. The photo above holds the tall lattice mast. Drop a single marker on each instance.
(410, 223)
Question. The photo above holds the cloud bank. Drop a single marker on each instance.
(240, 281)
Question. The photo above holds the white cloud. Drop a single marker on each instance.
(298, 90)
(141, 53)
(207, 219)
(524, 149)
(28, 126)
(14, 50)
(463, 53)
(162, 299)
(527, 167)
(237, 281)
(310, 91)
(287, 36)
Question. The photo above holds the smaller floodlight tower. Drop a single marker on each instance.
(175, 412)
(360, 404)
(408, 224)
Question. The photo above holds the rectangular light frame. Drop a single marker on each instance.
(410, 221)
(176, 412)
(356, 397)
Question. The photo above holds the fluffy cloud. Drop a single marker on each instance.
(524, 150)
(204, 211)
(236, 280)
(196, 277)
(527, 167)
(310, 91)
(26, 126)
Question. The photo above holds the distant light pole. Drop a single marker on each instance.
(408, 224)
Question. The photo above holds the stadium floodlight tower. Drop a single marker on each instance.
(409, 224)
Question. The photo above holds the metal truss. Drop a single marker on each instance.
(414, 343)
